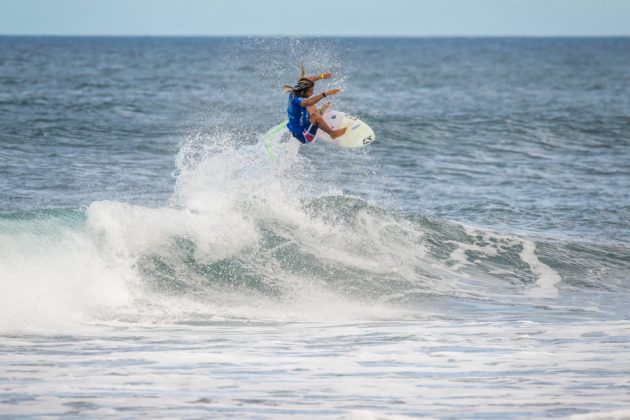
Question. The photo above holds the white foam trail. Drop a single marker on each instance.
(491, 244)
(547, 277)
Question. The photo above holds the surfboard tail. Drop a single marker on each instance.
(271, 137)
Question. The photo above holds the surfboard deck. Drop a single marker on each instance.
(358, 134)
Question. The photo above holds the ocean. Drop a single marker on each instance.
(472, 262)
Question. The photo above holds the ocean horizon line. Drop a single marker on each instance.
(355, 36)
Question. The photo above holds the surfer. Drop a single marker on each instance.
(304, 117)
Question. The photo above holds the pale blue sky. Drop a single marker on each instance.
(323, 17)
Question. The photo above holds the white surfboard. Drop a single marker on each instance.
(358, 134)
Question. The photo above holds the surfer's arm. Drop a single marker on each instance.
(316, 98)
(324, 108)
(320, 76)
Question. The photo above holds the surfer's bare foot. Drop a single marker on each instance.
(337, 133)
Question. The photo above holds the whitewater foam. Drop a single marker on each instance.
(55, 281)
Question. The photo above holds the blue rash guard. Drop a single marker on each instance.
(299, 123)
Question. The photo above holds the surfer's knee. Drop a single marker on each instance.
(316, 119)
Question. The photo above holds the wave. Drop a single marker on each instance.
(245, 239)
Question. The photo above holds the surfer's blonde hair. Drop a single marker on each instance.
(302, 85)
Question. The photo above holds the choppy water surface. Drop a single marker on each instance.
(472, 262)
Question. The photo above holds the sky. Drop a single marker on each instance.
(317, 18)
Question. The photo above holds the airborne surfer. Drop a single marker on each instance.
(304, 117)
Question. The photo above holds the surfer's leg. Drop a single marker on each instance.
(317, 119)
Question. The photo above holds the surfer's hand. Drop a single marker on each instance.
(332, 92)
(320, 76)
(324, 108)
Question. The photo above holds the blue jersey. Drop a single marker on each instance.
(298, 115)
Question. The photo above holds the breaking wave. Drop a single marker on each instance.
(244, 239)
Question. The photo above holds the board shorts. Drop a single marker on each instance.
(308, 135)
